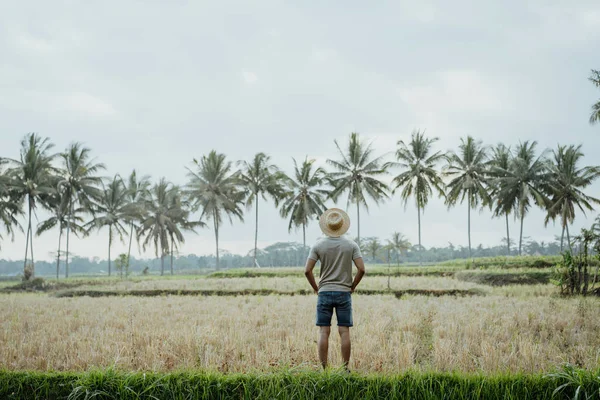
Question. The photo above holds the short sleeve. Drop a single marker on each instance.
(313, 253)
(356, 252)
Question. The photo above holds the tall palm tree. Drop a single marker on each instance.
(178, 215)
(10, 206)
(524, 182)
(306, 195)
(498, 165)
(260, 178)
(156, 222)
(80, 183)
(57, 204)
(31, 179)
(595, 79)
(399, 244)
(137, 192)
(373, 246)
(114, 211)
(213, 189)
(468, 172)
(357, 173)
(419, 174)
(565, 186)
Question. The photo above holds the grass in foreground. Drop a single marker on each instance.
(295, 385)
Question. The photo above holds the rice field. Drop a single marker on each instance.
(491, 334)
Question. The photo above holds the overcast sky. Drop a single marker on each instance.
(152, 84)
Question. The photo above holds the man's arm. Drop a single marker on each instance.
(308, 272)
(360, 265)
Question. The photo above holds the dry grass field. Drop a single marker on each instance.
(501, 332)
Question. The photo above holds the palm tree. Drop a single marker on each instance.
(156, 221)
(260, 178)
(10, 207)
(373, 247)
(178, 217)
(468, 172)
(499, 165)
(524, 182)
(113, 211)
(595, 79)
(137, 192)
(419, 173)
(399, 244)
(80, 183)
(213, 188)
(31, 178)
(305, 197)
(357, 173)
(565, 186)
(57, 203)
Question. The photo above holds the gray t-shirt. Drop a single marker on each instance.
(336, 256)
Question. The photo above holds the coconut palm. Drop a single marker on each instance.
(10, 207)
(595, 79)
(178, 215)
(80, 184)
(498, 165)
(31, 179)
(419, 175)
(567, 179)
(260, 178)
(306, 195)
(524, 182)
(399, 244)
(113, 211)
(468, 172)
(357, 173)
(372, 247)
(137, 192)
(57, 204)
(213, 189)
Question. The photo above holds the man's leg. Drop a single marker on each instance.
(324, 344)
(346, 346)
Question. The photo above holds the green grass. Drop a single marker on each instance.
(260, 292)
(372, 270)
(504, 278)
(291, 384)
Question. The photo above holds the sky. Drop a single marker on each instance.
(151, 85)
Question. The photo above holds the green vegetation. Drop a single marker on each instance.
(500, 278)
(296, 384)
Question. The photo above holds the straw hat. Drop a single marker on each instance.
(334, 222)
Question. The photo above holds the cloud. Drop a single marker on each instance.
(85, 104)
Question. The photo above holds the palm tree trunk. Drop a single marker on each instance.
(420, 247)
(255, 231)
(58, 252)
(389, 269)
(31, 242)
(358, 221)
(562, 238)
(171, 254)
(68, 231)
(507, 237)
(130, 240)
(568, 238)
(304, 237)
(162, 263)
(109, 244)
(216, 224)
(469, 226)
(27, 244)
(521, 235)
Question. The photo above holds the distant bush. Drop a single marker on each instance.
(499, 278)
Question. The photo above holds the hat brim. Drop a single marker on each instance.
(334, 232)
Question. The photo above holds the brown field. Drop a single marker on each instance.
(504, 331)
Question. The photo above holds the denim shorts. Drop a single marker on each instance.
(341, 301)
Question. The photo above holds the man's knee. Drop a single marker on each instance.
(325, 330)
(344, 330)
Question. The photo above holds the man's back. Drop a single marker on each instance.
(336, 255)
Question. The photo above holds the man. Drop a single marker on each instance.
(336, 254)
